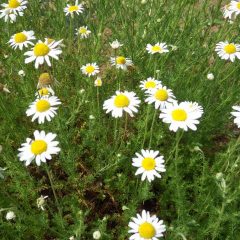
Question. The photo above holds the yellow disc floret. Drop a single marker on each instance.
(73, 8)
(38, 147)
(20, 37)
(150, 84)
(148, 163)
(146, 230)
(230, 48)
(41, 49)
(161, 95)
(82, 30)
(42, 105)
(156, 48)
(121, 101)
(121, 60)
(13, 4)
(43, 92)
(90, 69)
(179, 115)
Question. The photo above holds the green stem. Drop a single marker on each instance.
(55, 195)
(178, 138)
(146, 124)
(151, 130)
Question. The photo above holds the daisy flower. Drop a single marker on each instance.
(226, 50)
(71, 9)
(90, 69)
(235, 7)
(98, 82)
(149, 164)
(227, 13)
(42, 51)
(157, 48)
(40, 148)
(195, 107)
(181, 116)
(146, 227)
(15, 6)
(120, 102)
(160, 96)
(83, 32)
(236, 114)
(115, 44)
(121, 62)
(45, 91)
(22, 39)
(150, 83)
(42, 108)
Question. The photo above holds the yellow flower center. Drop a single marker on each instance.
(150, 84)
(42, 105)
(179, 115)
(146, 230)
(82, 30)
(90, 69)
(20, 37)
(161, 95)
(121, 60)
(230, 48)
(73, 8)
(121, 101)
(238, 5)
(13, 4)
(41, 49)
(38, 147)
(156, 48)
(148, 163)
(43, 92)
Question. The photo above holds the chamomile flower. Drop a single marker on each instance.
(149, 164)
(116, 44)
(71, 9)
(150, 83)
(83, 32)
(226, 50)
(181, 116)
(42, 51)
(15, 6)
(157, 48)
(121, 62)
(98, 82)
(236, 114)
(43, 108)
(146, 227)
(22, 39)
(41, 148)
(90, 69)
(160, 96)
(235, 7)
(45, 91)
(227, 13)
(122, 102)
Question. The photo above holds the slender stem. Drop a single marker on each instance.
(55, 195)
(178, 138)
(98, 101)
(146, 125)
(125, 125)
(151, 130)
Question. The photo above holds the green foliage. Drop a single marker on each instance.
(197, 197)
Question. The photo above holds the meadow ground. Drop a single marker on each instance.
(91, 184)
